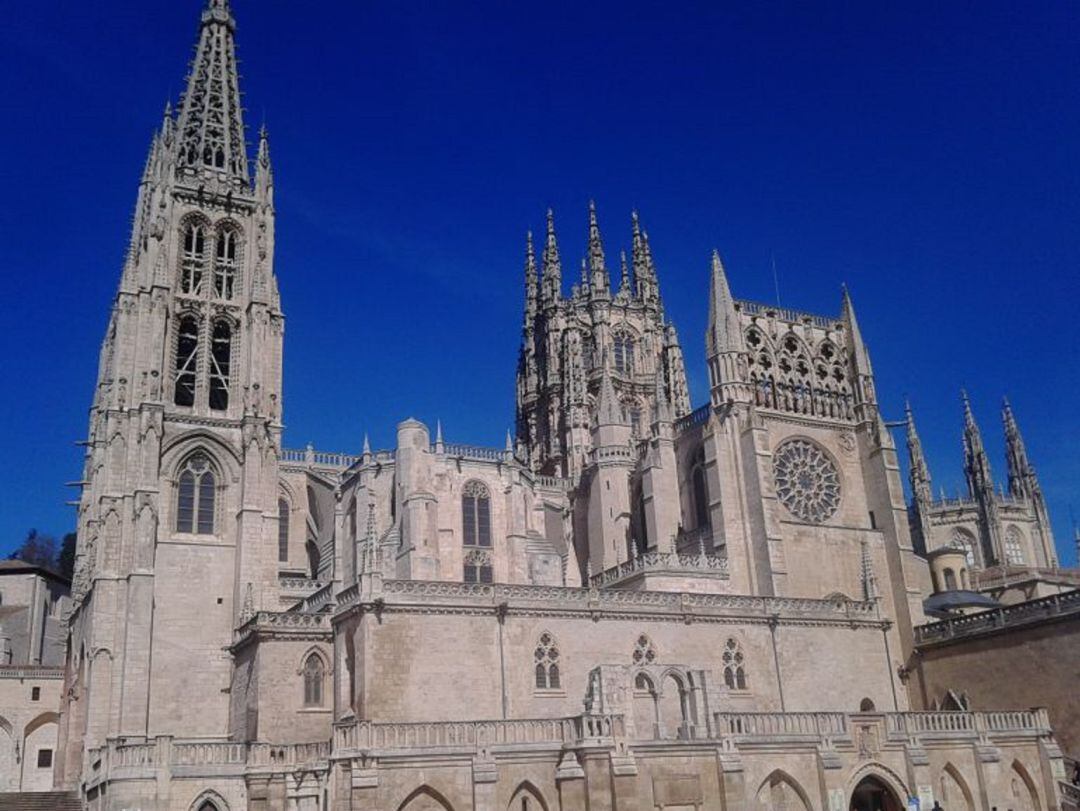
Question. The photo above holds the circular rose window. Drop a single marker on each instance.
(807, 481)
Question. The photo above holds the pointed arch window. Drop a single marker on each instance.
(187, 359)
(220, 362)
(193, 260)
(699, 490)
(546, 657)
(734, 666)
(225, 263)
(314, 676)
(623, 353)
(476, 515)
(196, 495)
(283, 531)
(1014, 547)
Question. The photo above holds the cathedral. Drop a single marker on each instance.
(632, 604)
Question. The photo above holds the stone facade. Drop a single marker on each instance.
(631, 605)
(33, 602)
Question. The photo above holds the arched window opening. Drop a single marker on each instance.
(193, 260)
(1014, 547)
(208, 806)
(314, 674)
(547, 663)
(225, 264)
(187, 357)
(283, 531)
(477, 566)
(867, 705)
(312, 550)
(950, 580)
(700, 496)
(644, 651)
(220, 358)
(623, 354)
(962, 540)
(476, 515)
(195, 497)
(734, 666)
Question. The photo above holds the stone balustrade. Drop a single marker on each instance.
(313, 458)
(662, 562)
(613, 602)
(899, 726)
(996, 618)
(784, 314)
(392, 737)
(299, 585)
(699, 416)
(31, 672)
(476, 452)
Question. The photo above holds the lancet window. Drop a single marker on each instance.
(734, 666)
(220, 362)
(963, 541)
(546, 656)
(1014, 547)
(283, 531)
(314, 676)
(196, 494)
(225, 263)
(623, 353)
(187, 358)
(193, 260)
(476, 515)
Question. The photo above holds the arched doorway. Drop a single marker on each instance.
(872, 794)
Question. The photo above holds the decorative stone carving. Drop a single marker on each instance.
(807, 481)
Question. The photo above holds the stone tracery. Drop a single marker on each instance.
(807, 481)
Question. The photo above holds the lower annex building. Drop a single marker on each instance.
(633, 604)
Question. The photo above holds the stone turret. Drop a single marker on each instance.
(725, 346)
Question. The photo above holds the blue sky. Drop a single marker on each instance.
(923, 153)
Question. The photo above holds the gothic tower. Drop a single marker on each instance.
(179, 504)
(567, 341)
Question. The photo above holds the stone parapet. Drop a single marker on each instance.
(999, 619)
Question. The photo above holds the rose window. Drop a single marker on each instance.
(807, 481)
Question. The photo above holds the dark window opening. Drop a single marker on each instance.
(44, 758)
(220, 352)
(187, 355)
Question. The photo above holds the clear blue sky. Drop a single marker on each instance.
(923, 153)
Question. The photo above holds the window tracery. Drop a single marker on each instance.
(187, 360)
(220, 363)
(963, 541)
(476, 514)
(1014, 546)
(734, 666)
(807, 481)
(196, 495)
(283, 530)
(792, 377)
(546, 656)
(314, 675)
(477, 564)
(193, 258)
(226, 263)
(623, 353)
(644, 651)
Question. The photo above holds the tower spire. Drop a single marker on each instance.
(862, 372)
(600, 283)
(919, 471)
(1022, 479)
(624, 283)
(725, 347)
(976, 463)
(211, 123)
(551, 279)
(531, 280)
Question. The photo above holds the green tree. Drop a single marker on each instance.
(66, 560)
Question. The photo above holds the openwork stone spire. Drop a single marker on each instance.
(1022, 479)
(976, 463)
(918, 469)
(600, 283)
(211, 125)
(551, 280)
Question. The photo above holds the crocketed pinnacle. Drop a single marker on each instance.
(919, 470)
(609, 411)
(597, 268)
(531, 280)
(860, 356)
(724, 333)
(1022, 480)
(551, 281)
(211, 125)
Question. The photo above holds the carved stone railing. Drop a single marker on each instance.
(1005, 575)
(957, 503)
(318, 599)
(899, 726)
(282, 620)
(208, 753)
(613, 452)
(31, 672)
(1070, 793)
(405, 593)
(554, 482)
(310, 456)
(477, 452)
(784, 314)
(815, 725)
(997, 618)
(301, 585)
(698, 416)
(659, 562)
(390, 736)
(291, 754)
